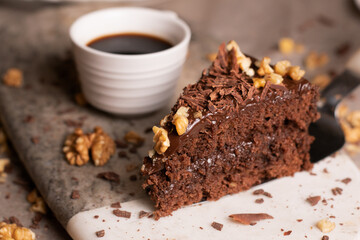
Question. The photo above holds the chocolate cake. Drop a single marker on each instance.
(243, 123)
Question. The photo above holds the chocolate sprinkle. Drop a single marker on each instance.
(217, 226)
(287, 233)
(259, 200)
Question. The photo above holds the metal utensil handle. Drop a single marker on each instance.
(342, 85)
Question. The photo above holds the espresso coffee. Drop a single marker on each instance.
(130, 44)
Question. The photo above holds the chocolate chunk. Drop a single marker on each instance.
(116, 205)
(15, 220)
(336, 191)
(120, 213)
(110, 176)
(100, 233)
(75, 194)
(35, 140)
(262, 192)
(313, 200)
(73, 123)
(29, 119)
(258, 192)
(267, 194)
(346, 180)
(259, 200)
(343, 49)
(217, 226)
(133, 178)
(143, 214)
(325, 20)
(123, 154)
(287, 233)
(250, 218)
(121, 144)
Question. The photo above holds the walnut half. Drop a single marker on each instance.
(102, 148)
(14, 232)
(76, 148)
(161, 140)
(180, 120)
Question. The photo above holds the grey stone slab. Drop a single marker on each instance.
(34, 38)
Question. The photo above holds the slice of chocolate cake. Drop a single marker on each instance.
(243, 123)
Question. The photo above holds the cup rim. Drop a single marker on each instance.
(172, 16)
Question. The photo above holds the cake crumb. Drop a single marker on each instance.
(217, 226)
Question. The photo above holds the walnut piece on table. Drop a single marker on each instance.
(102, 147)
(38, 203)
(76, 148)
(13, 77)
(14, 232)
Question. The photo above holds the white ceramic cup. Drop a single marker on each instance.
(129, 84)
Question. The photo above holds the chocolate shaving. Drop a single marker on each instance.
(250, 218)
(313, 200)
(100, 233)
(217, 226)
(259, 200)
(143, 214)
(116, 205)
(110, 176)
(346, 180)
(336, 191)
(120, 213)
(343, 49)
